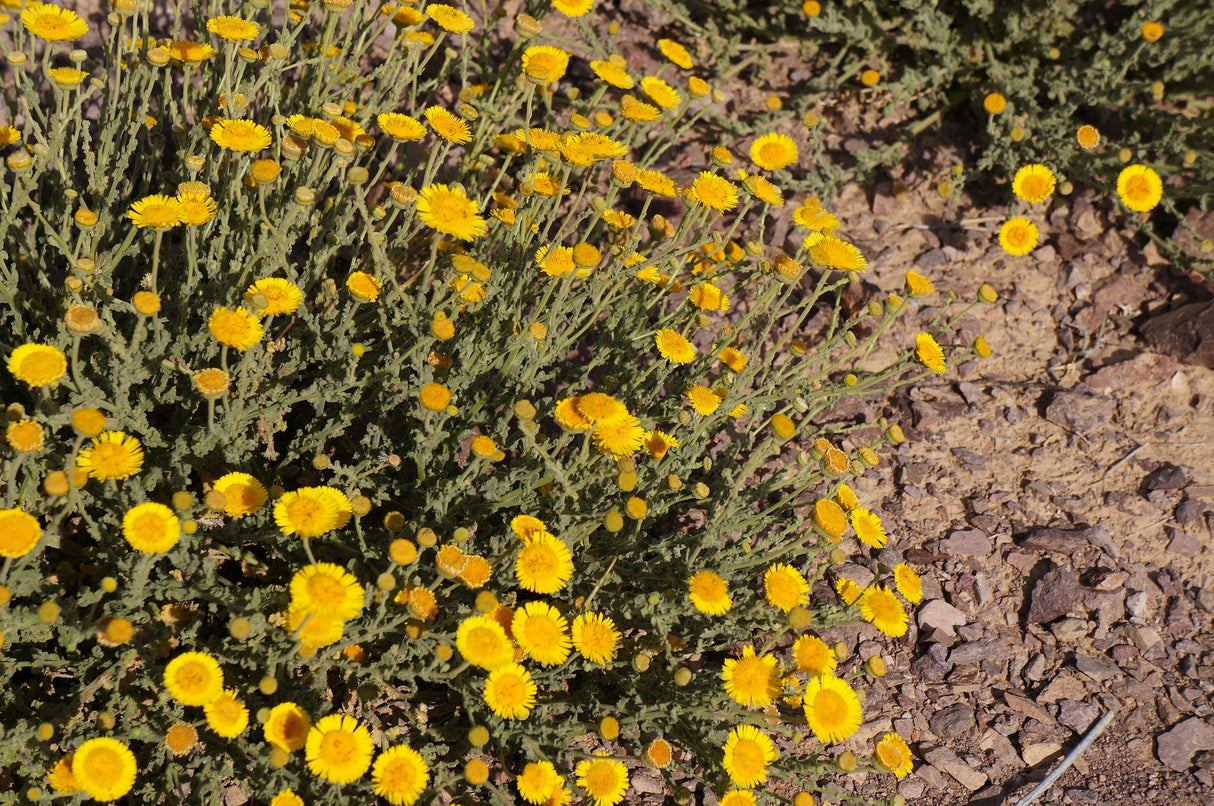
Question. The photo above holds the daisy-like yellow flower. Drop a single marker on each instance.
(542, 633)
(831, 253)
(400, 774)
(595, 637)
(994, 103)
(868, 527)
(19, 532)
(188, 52)
(573, 8)
(929, 353)
(544, 564)
(773, 151)
(239, 329)
(281, 296)
(622, 436)
(661, 93)
(604, 780)
(37, 364)
(1033, 183)
(831, 708)
(613, 74)
(227, 715)
(53, 24)
(811, 216)
(448, 126)
(1139, 188)
(449, 18)
(908, 583)
(714, 192)
(483, 642)
(287, 728)
(708, 297)
(544, 64)
(600, 408)
(66, 77)
(658, 443)
(25, 436)
(112, 455)
(893, 754)
(311, 511)
(709, 593)
(233, 29)
(9, 135)
(557, 261)
(881, 608)
(449, 210)
(151, 528)
(785, 587)
(702, 399)
(1018, 236)
(193, 678)
(243, 495)
(748, 753)
(60, 776)
(848, 590)
(157, 212)
(813, 656)
(240, 135)
(1088, 137)
(287, 798)
(674, 347)
(657, 183)
(510, 691)
(104, 768)
(403, 128)
(538, 782)
(751, 680)
(363, 286)
(327, 589)
(675, 53)
(339, 749)
(196, 208)
(764, 191)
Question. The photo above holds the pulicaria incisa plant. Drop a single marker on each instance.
(382, 419)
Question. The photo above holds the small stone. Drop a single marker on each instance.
(1190, 511)
(939, 615)
(911, 789)
(1177, 747)
(1106, 581)
(988, 649)
(1034, 754)
(1095, 668)
(1084, 797)
(1124, 653)
(932, 777)
(1035, 670)
(1069, 630)
(1059, 541)
(1053, 596)
(1063, 687)
(1079, 412)
(1029, 708)
(947, 761)
(1183, 544)
(1168, 477)
(1078, 716)
(1137, 604)
(952, 722)
(1205, 599)
(971, 542)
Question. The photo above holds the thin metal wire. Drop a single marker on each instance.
(1096, 730)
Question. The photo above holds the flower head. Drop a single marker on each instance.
(37, 364)
(233, 29)
(510, 691)
(542, 633)
(813, 656)
(785, 587)
(240, 135)
(751, 680)
(483, 642)
(908, 583)
(156, 211)
(53, 24)
(709, 593)
(714, 192)
(327, 589)
(363, 286)
(227, 715)
(113, 455)
(151, 528)
(287, 728)
(19, 532)
(339, 749)
(311, 511)
(449, 210)
(25, 436)
(868, 527)
(748, 753)
(1033, 183)
(400, 773)
(622, 436)
(239, 329)
(773, 151)
(880, 607)
(595, 637)
(893, 754)
(449, 18)
(193, 678)
(831, 253)
(1139, 188)
(573, 8)
(661, 93)
(831, 708)
(281, 296)
(675, 53)
(1018, 236)
(538, 782)
(544, 64)
(605, 780)
(104, 768)
(544, 564)
(401, 127)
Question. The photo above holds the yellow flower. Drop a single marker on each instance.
(287, 728)
(113, 455)
(848, 590)
(281, 296)
(196, 208)
(189, 52)
(1151, 31)
(994, 103)
(1088, 137)
(53, 24)
(238, 329)
(622, 436)
(661, 93)
(882, 609)
(893, 754)
(60, 776)
(870, 78)
(67, 77)
(400, 773)
(156, 211)
(868, 527)
(233, 29)
(25, 436)
(544, 64)
(510, 692)
(675, 53)
(448, 18)
(449, 210)
(544, 565)
(605, 780)
(311, 511)
(748, 752)
(1033, 183)
(785, 587)
(483, 642)
(286, 798)
(713, 192)
(19, 532)
(193, 678)
(709, 593)
(813, 656)
(595, 637)
(831, 253)
(227, 715)
(908, 583)
(773, 151)
(658, 443)
(929, 354)
(327, 589)
(751, 680)
(638, 111)
(401, 127)
(830, 518)
(9, 135)
(151, 528)
(674, 347)
(37, 364)
(538, 782)
(542, 633)
(573, 8)
(435, 396)
(363, 286)
(339, 749)
(104, 768)
(613, 74)
(1018, 236)
(831, 708)
(1139, 188)
(240, 135)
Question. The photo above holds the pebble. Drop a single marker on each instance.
(952, 722)
(1177, 747)
(1095, 668)
(1137, 604)
(1069, 630)
(971, 542)
(1029, 708)
(1078, 716)
(1053, 596)
(949, 762)
(1034, 754)
(1168, 477)
(942, 616)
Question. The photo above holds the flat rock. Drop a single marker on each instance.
(1168, 477)
(1029, 708)
(1069, 630)
(932, 777)
(1078, 716)
(952, 722)
(1080, 412)
(1140, 372)
(1059, 541)
(991, 649)
(949, 762)
(940, 615)
(1095, 668)
(1034, 754)
(1187, 333)
(1063, 687)
(970, 541)
(1177, 747)
(1184, 545)
(1053, 596)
